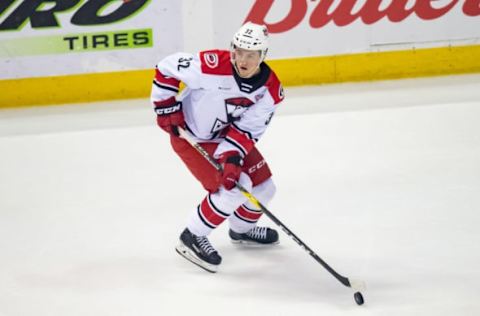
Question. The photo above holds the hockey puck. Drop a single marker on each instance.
(358, 298)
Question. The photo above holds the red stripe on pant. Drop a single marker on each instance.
(210, 213)
(248, 215)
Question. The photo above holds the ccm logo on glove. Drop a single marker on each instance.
(170, 115)
(169, 110)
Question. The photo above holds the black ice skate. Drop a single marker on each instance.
(198, 250)
(255, 236)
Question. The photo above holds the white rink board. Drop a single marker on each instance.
(302, 39)
(193, 25)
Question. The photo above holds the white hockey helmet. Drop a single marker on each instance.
(252, 36)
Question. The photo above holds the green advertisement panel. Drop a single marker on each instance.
(50, 38)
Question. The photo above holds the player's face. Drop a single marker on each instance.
(247, 62)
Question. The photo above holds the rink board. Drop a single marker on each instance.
(81, 51)
(292, 72)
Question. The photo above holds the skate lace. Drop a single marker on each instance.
(258, 233)
(205, 245)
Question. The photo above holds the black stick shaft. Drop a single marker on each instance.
(295, 238)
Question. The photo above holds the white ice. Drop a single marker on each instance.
(381, 179)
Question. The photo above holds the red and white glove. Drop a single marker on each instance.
(231, 162)
(170, 115)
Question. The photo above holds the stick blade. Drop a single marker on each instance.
(357, 285)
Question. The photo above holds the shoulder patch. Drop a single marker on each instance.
(216, 62)
(275, 88)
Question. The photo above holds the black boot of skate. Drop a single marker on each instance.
(255, 236)
(198, 250)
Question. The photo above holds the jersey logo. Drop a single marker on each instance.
(258, 97)
(218, 125)
(281, 93)
(234, 108)
(211, 60)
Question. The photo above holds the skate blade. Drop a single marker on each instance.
(188, 254)
(250, 243)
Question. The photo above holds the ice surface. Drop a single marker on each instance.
(381, 179)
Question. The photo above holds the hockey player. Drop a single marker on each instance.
(229, 100)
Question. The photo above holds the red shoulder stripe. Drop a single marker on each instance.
(275, 88)
(216, 62)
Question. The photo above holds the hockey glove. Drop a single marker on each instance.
(170, 115)
(231, 162)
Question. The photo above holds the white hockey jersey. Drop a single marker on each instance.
(218, 105)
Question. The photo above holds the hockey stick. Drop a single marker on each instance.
(354, 284)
